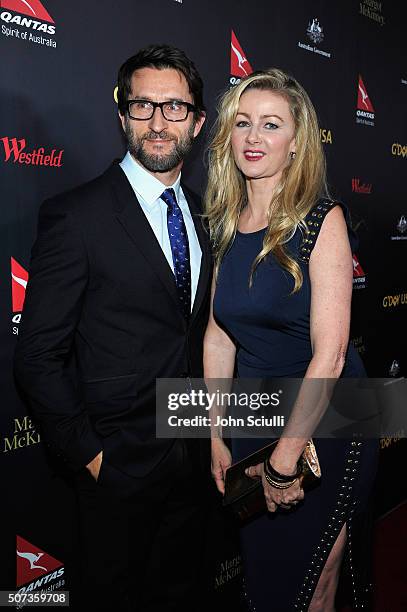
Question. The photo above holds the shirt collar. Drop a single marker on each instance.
(145, 184)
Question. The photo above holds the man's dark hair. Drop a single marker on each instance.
(160, 56)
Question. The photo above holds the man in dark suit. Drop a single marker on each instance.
(118, 297)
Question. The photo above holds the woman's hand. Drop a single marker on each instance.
(286, 498)
(221, 461)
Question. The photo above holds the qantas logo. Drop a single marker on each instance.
(357, 268)
(359, 276)
(32, 559)
(365, 112)
(364, 102)
(33, 564)
(19, 279)
(239, 64)
(33, 8)
(31, 14)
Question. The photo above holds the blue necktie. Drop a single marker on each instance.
(177, 233)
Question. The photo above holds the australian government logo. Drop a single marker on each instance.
(394, 369)
(401, 229)
(28, 21)
(315, 33)
(239, 64)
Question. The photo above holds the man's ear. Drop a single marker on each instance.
(122, 120)
(199, 123)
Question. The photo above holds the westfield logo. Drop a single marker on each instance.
(32, 8)
(14, 150)
(239, 64)
(359, 187)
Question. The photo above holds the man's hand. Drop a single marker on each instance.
(221, 461)
(94, 465)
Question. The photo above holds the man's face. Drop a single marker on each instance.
(160, 145)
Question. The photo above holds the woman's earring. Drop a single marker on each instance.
(292, 154)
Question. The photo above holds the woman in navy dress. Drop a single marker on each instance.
(281, 308)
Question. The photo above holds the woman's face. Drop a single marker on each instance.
(263, 134)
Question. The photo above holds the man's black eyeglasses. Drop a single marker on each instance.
(172, 110)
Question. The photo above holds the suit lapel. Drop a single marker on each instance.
(205, 270)
(133, 220)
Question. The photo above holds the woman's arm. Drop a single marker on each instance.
(219, 350)
(219, 363)
(331, 272)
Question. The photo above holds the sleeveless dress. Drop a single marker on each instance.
(285, 552)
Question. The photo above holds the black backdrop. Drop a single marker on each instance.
(58, 72)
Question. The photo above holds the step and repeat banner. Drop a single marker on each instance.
(59, 127)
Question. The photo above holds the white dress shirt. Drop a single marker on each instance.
(148, 190)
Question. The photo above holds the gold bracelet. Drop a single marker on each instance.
(279, 485)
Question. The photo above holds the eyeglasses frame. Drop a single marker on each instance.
(190, 109)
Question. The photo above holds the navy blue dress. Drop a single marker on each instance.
(285, 552)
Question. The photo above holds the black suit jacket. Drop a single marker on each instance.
(101, 322)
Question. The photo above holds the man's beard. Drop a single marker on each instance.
(159, 162)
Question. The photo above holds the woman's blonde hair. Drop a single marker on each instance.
(302, 183)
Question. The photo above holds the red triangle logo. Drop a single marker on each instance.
(19, 279)
(239, 65)
(32, 562)
(32, 8)
(364, 102)
(357, 268)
